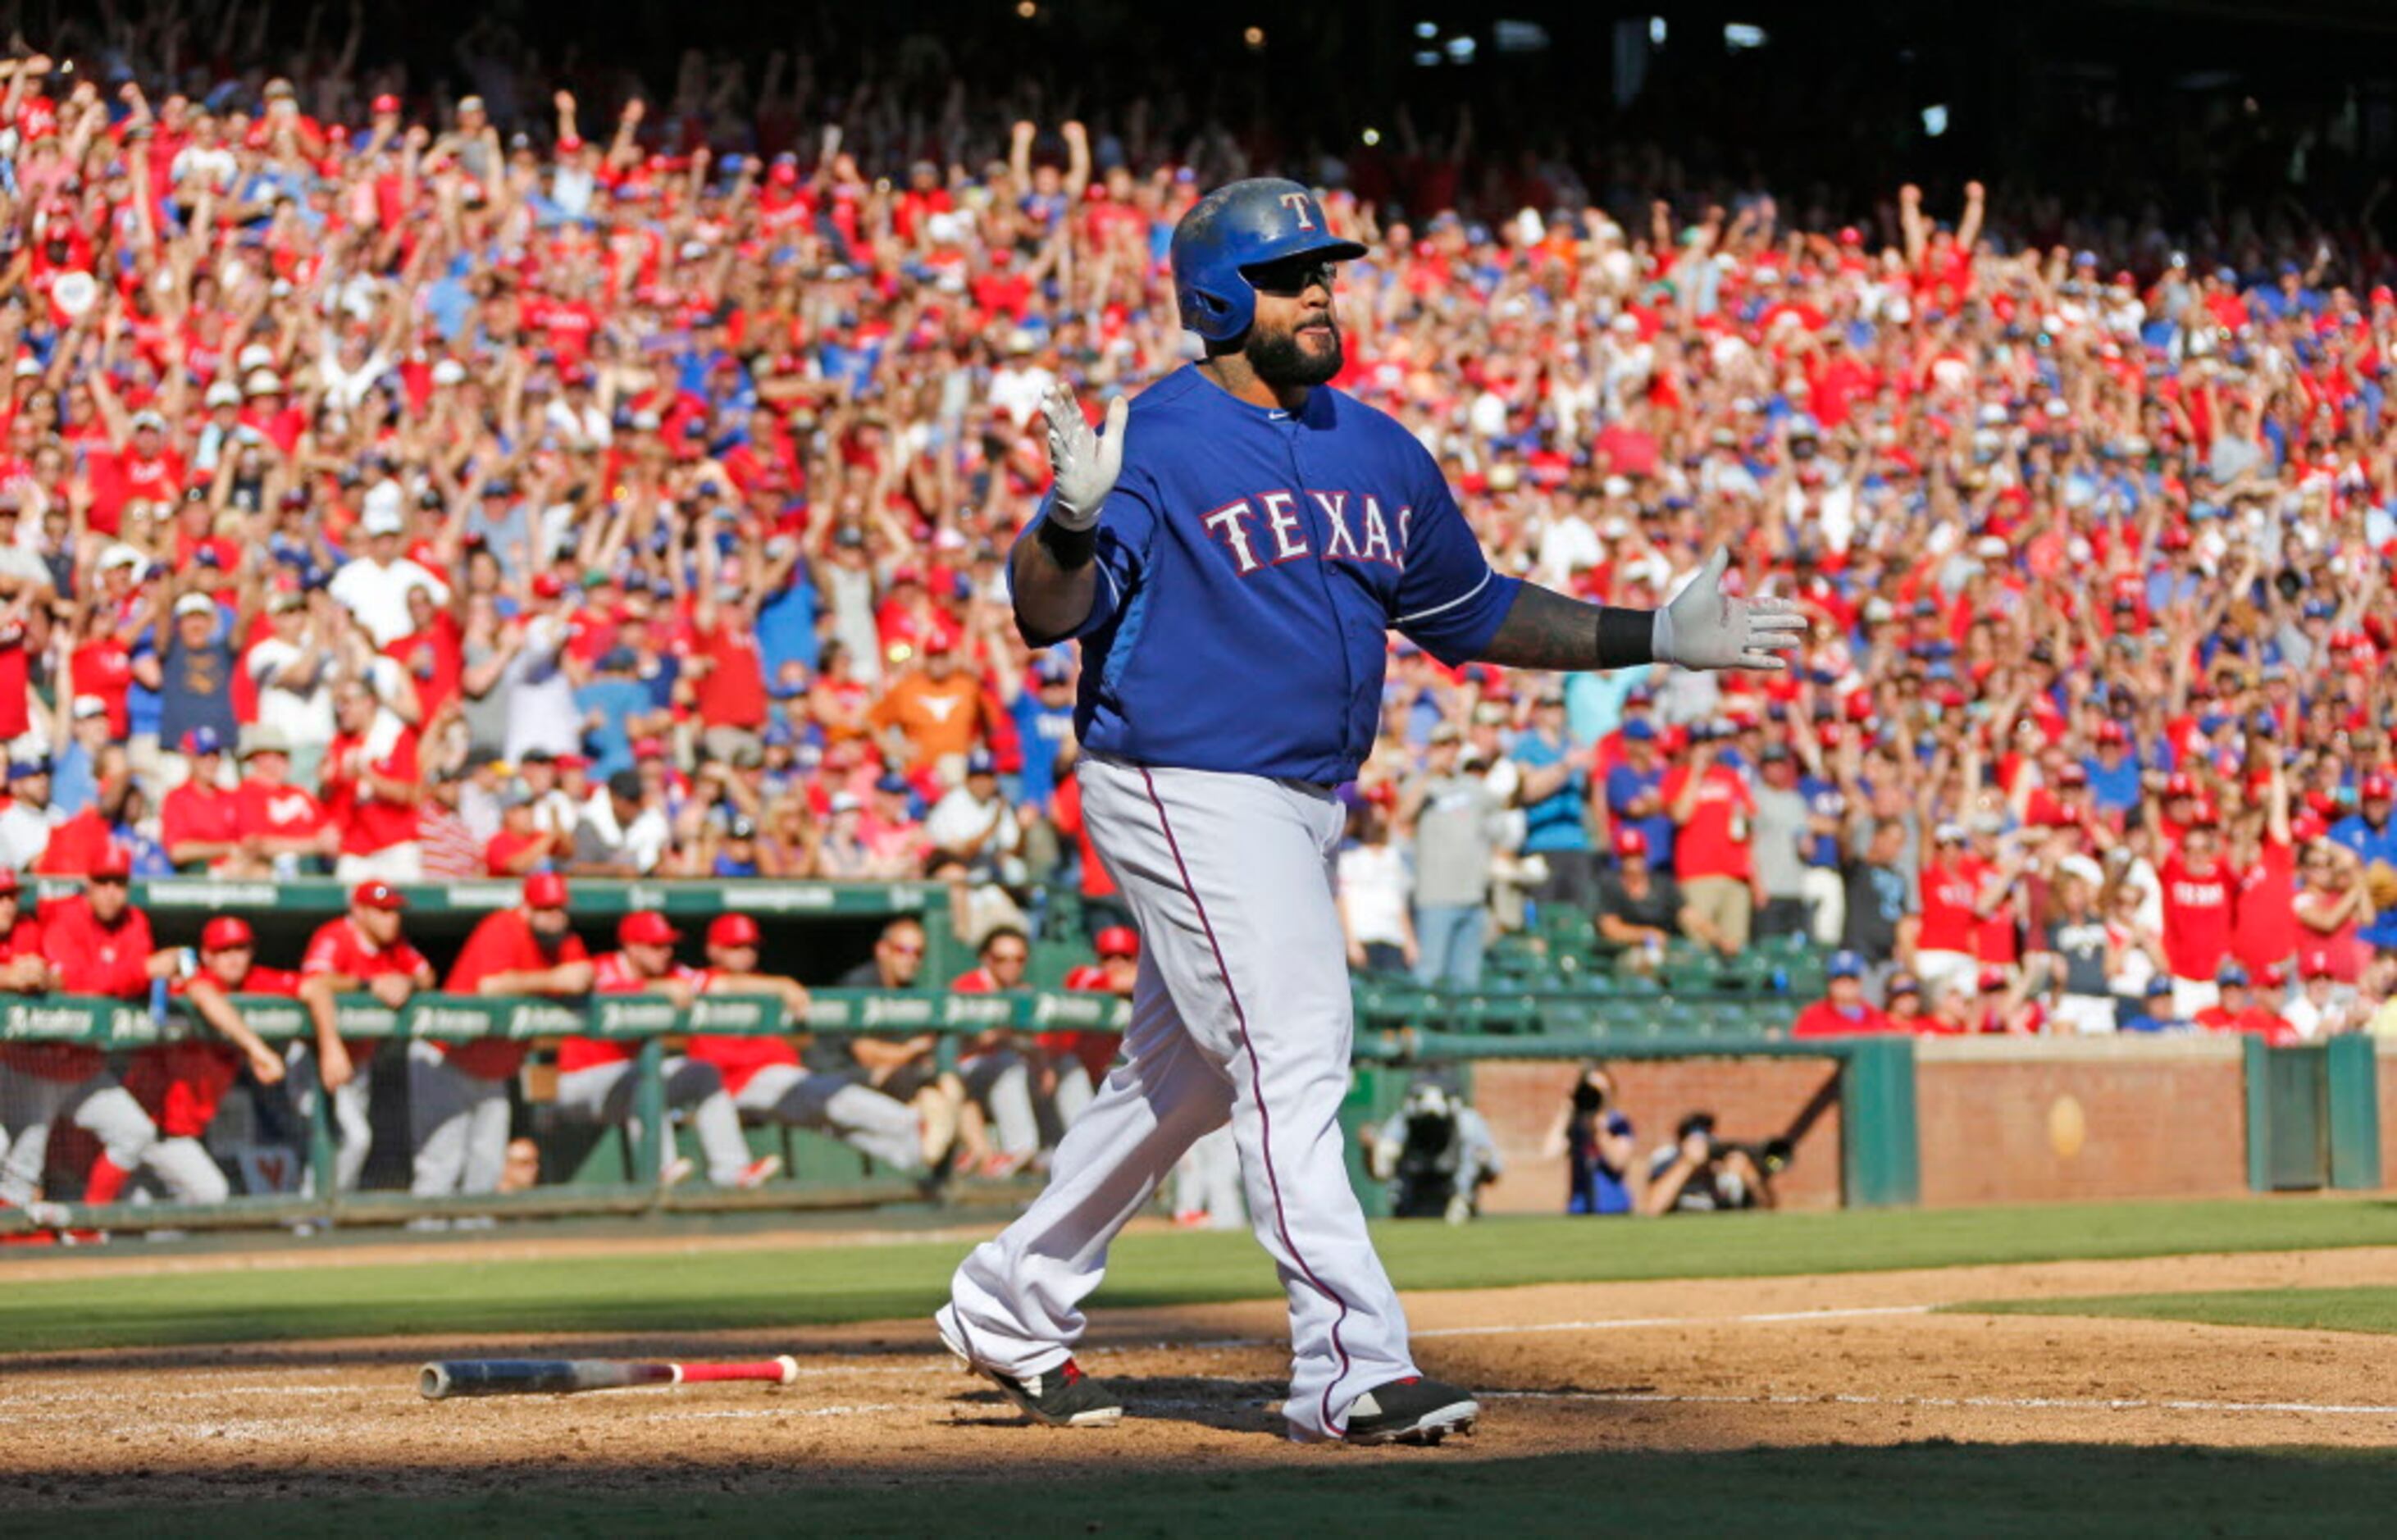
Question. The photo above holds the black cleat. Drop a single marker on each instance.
(1412, 1411)
(1062, 1397)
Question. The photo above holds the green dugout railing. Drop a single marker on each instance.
(114, 1026)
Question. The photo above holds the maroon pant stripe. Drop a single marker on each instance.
(1256, 1087)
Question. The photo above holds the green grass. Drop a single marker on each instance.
(822, 1285)
(2364, 1309)
(2035, 1491)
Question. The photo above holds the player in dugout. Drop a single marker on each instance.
(181, 1085)
(363, 950)
(769, 1082)
(595, 1075)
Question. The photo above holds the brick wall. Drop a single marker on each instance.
(1752, 1100)
(2005, 1122)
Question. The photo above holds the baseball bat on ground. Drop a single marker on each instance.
(439, 1382)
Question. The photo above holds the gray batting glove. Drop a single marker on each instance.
(1705, 627)
(1085, 464)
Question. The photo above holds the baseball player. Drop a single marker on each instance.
(768, 1082)
(594, 1074)
(363, 950)
(458, 1092)
(181, 1085)
(95, 942)
(1231, 554)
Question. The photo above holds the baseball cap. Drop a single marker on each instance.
(203, 739)
(224, 932)
(2375, 784)
(548, 585)
(845, 802)
(1992, 978)
(377, 894)
(979, 762)
(2072, 775)
(1948, 833)
(732, 931)
(1444, 733)
(2160, 984)
(544, 891)
(113, 860)
(2307, 827)
(1903, 984)
(264, 739)
(1846, 965)
(1117, 941)
(194, 604)
(2318, 965)
(2272, 976)
(647, 928)
(386, 102)
(2179, 784)
(2231, 976)
(1639, 731)
(894, 783)
(1630, 843)
(649, 748)
(20, 770)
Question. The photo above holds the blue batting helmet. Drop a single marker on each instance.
(1237, 226)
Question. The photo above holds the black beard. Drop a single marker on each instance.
(1278, 360)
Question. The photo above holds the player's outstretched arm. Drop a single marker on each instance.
(1703, 628)
(1055, 582)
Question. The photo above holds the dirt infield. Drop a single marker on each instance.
(1856, 1358)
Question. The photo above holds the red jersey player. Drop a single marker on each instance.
(181, 1085)
(363, 950)
(595, 1075)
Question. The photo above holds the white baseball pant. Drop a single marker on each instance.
(856, 1114)
(31, 1104)
(352, 1126)
(1242, 1010)
(604, 1094)
(458, 1123)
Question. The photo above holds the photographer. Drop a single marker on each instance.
(1699, 1174)
(1595, 1138)
(1436, 1154)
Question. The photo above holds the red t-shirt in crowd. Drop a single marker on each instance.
(2197, 917)
(23, 940)
(1948, 924)
(1714, 842)
(2253, 1018)
(275, 812)
(1823, 1019)
(370, 823)
(2263, 908)
(733, 691)
(503, 942)
(198, 813)
(434, 662)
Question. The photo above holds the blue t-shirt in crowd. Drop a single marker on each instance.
(1555, 821)
(2357, 834)
(787, 628)
(1042, 731)
(1624, 785)
(610, 745)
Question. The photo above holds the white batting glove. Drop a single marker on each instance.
(1086, 464)
(1705, 627)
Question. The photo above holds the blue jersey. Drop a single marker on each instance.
(1251, 564)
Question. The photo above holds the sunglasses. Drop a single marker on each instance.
(1011, 956)
(905, 950)
(1291, 276)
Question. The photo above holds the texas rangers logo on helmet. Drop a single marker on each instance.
(1302, 205)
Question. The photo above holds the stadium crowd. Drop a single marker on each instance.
(403, 487)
